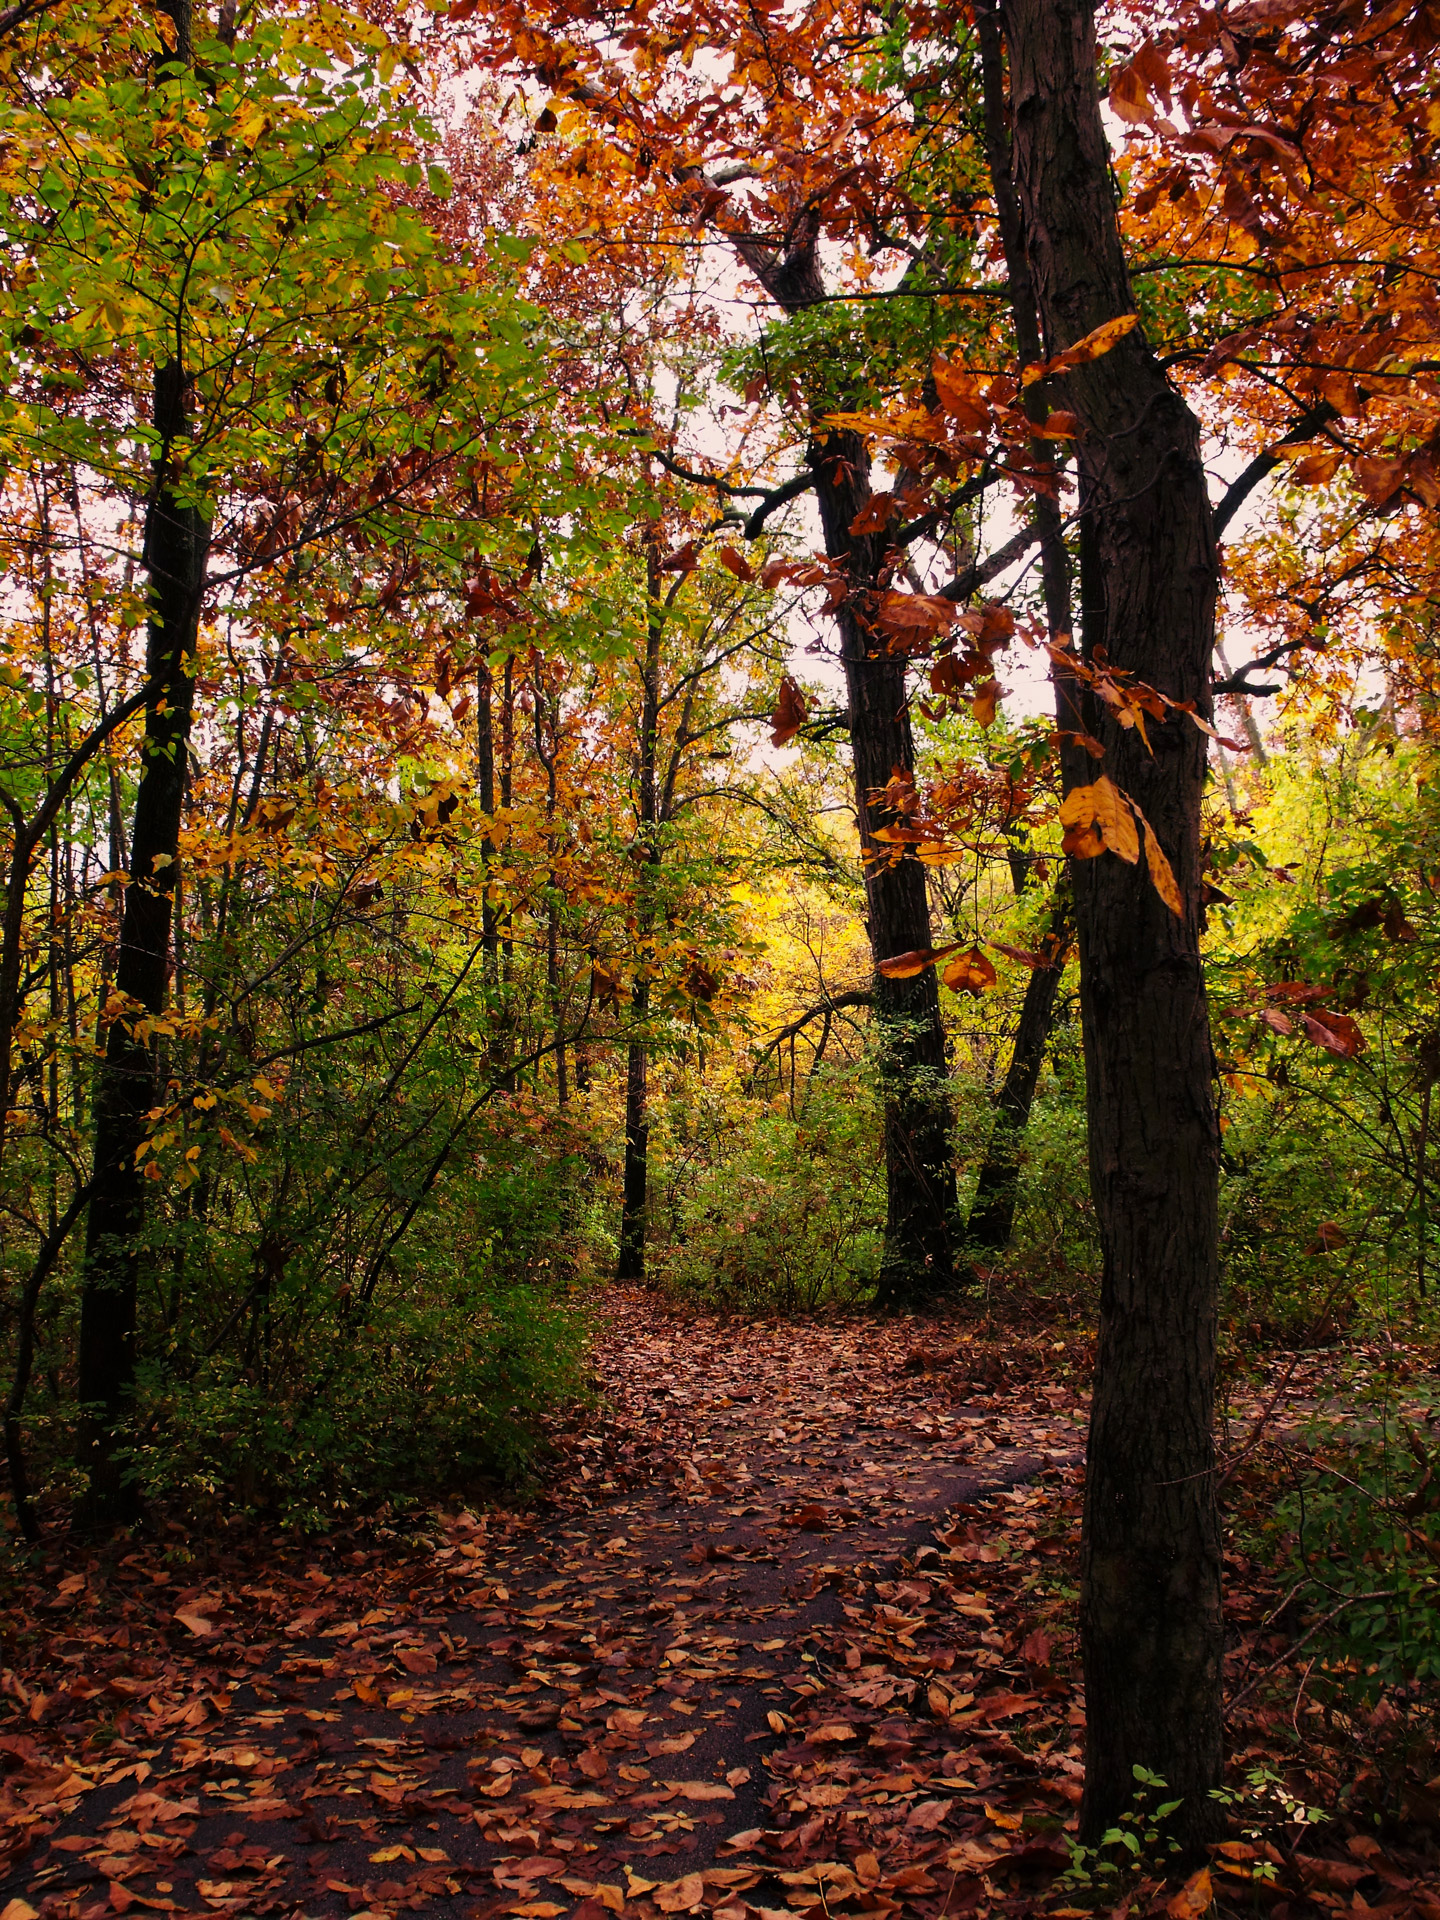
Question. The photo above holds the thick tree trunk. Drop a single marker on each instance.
(992, 1212)
(1150, 1602)
(176, 542)
(917, 1264)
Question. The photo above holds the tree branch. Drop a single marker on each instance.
(1265, 463)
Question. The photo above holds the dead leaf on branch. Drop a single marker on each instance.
(908, 966)
(1098, 817)
(790, 713)
(970, 972)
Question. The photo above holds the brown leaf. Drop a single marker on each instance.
(789, 715)
(1336, 1032)
(915, 616)
(874, 516)
(737, 564)
(416, 1660)
(196, 1622)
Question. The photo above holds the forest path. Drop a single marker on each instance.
(754, 1647)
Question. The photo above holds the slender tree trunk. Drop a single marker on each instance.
(992, 1212)
(917, 1264)
(485, 767)
(918, 1261)
(176, 543)
(631, 1264)
(648, 850)
(1150, 1574)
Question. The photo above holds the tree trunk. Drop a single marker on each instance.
(917, 1264)
(992, 1212)
(631, 1264)
(648, 853)
(1150, 1574)
(176, 542)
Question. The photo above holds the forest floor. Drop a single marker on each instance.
(789, 1630)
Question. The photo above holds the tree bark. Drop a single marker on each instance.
(648, 853)
(917, 1264)
(1150, 1573)
(176, 545)
(992, 1212)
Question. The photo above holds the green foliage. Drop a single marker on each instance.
(781, 1213)
(441, 1383)
(1140, 1842)
(1362, 1530)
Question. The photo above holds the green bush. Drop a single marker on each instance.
(1362, 1530)
(782, 1214)
(436, 1385)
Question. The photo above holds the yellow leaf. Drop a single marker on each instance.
(1097, 817)
(1160, 870)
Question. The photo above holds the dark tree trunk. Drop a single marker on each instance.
(176, 543)
(648, 854)
(919, 1175)
(1150, 1576)
(631, 1264)
(992, 1212)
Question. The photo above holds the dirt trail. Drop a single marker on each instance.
(754, 1648)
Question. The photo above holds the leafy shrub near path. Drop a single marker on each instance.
(439, 1385)
(782, 1213)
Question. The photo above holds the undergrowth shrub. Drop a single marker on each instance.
(441, 1383)
(1361, 1526)
(780, 1212)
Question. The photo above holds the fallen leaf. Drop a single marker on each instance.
(1194, 1898)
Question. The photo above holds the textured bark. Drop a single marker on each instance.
(920, 1221)
(919, 1175)
(631, 1264)
(176, 543)
(992, 1212)
(1150, 1601)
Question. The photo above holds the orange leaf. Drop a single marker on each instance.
(1314, 469)
(1129, 96)
(969, 972)
(874, 516)
(906, 966)
(959, 396)
(1160, 869)
(1097, 817)
(1197, 1896)
(984, 702)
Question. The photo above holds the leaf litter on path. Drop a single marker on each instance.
(789, 1631)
